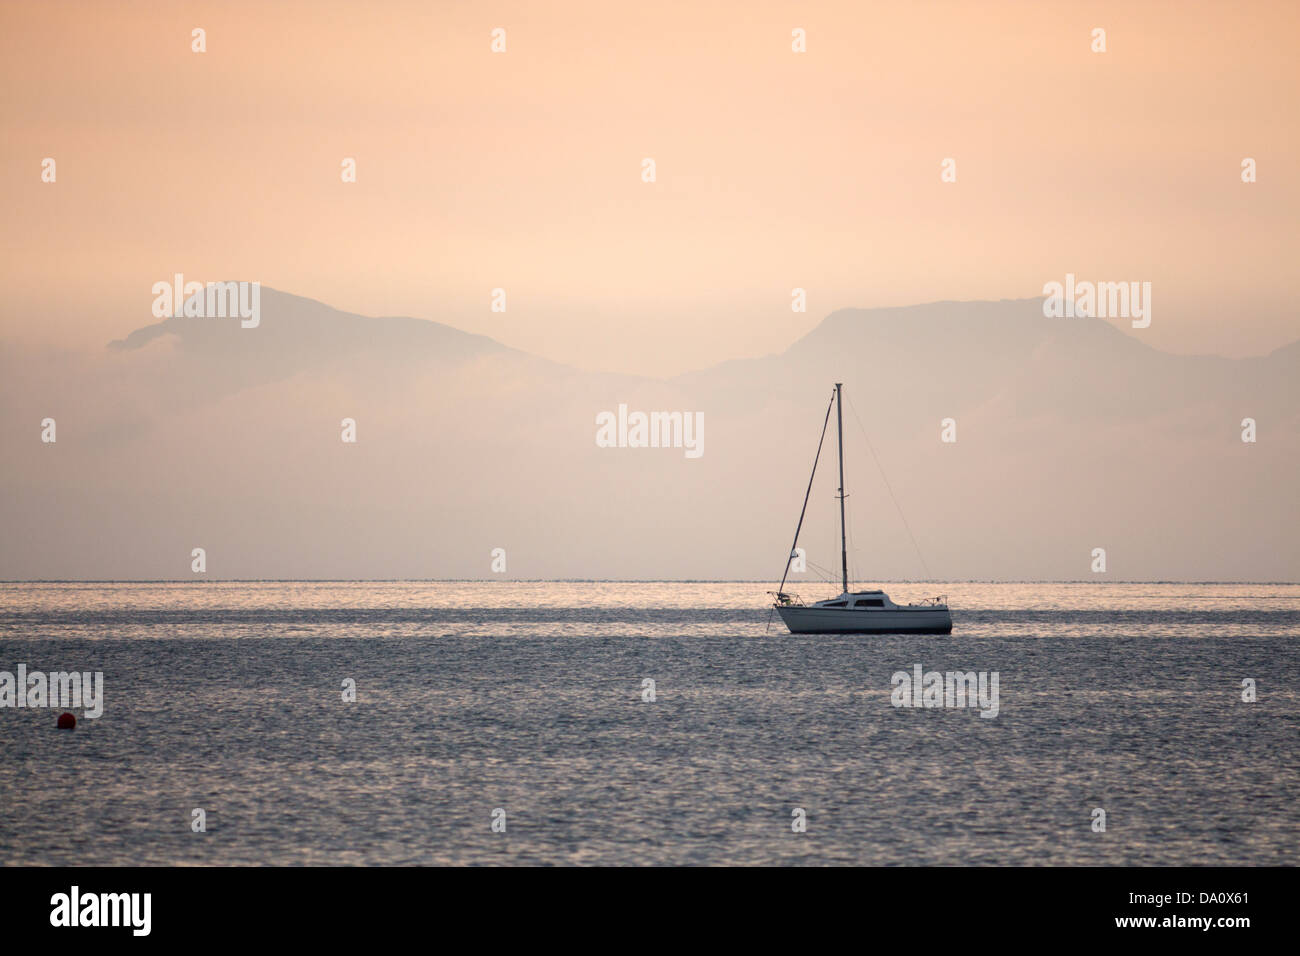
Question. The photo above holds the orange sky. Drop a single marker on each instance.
(775, 170)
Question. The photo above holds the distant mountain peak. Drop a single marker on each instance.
(293, 323)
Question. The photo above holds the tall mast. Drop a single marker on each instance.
(839, 424)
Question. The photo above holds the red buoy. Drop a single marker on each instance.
(67, 721)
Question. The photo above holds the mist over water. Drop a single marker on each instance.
(528, 697)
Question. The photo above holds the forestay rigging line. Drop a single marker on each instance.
(790, 557)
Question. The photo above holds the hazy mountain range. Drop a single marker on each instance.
(1071, 435)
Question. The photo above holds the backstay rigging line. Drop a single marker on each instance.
(897, 506)
(790, 557)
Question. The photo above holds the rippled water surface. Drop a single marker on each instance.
(528, 697)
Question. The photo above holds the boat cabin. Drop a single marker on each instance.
(859, 599)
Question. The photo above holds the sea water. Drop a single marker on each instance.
(661, 723)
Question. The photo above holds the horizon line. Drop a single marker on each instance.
(4, 581)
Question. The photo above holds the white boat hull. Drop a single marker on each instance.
(890, 620)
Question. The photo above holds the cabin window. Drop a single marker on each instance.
(836, 604)
(870, 602)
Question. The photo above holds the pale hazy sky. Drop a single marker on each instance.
(775, 170)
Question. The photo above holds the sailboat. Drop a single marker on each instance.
(852, 612)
